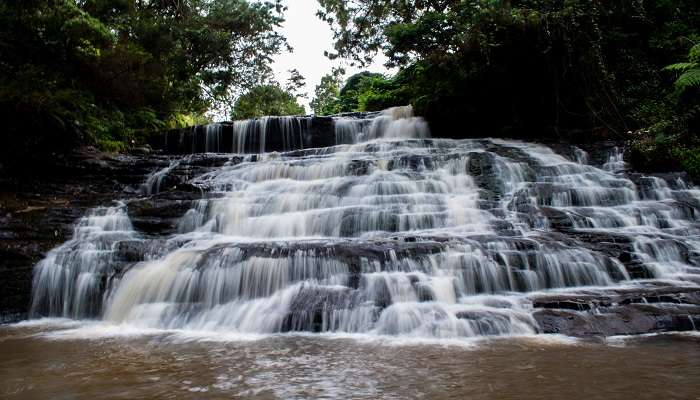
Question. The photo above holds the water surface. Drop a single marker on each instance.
(40, 361)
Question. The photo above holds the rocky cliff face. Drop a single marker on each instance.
(38, 212)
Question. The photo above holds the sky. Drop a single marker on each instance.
(310, 37)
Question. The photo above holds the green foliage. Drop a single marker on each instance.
(357, 86)
(295, 83)
(524, 64)
(372, 92)
(534, 68)
(104, 71)
(671, 141)
(364, 91)
(326, 99)
(689, 71)
(111, 146)
(182, 120)
(266, 100)
(690, 160)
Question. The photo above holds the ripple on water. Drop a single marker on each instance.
(306, 366)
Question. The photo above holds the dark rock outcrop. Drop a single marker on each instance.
(39, 214)
(622, 312)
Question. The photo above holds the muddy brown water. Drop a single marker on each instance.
(89, 362)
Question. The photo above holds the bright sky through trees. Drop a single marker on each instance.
(310, 37)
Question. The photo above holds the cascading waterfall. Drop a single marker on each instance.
(389, 232)
(70, 281)
(396, 122)
(251, 136)
(155, 180)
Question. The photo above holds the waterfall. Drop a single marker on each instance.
(395, 122)
(155, 180)
(287, 133)
(256, 135)
(388, 232)
(71, 280)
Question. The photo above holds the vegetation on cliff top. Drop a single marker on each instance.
(534, 68)
(107, 71)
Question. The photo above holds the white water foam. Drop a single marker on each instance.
(390, 235)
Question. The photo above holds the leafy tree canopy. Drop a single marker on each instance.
(265, 100)
(535, 68)
(103, 71)
(295, 83)
(364, 91)
(326, 94)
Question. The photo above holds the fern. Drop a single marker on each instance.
(680, 67)
(689, 79)
(689, 71)
(694, 54)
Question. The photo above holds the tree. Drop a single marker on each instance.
(531, 64)
(106, 72)
(356, 87)
(533, 68)
(295, 83)
(405, 29)
(364, 91)
(463, 58)
(266, 100)
(326, 99)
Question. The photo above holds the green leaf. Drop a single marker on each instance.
(689, 79)
(680, 67)
(694, 53)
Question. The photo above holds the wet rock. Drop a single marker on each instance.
(159, 215)
(488, 323)
(360, 167)
(424, 293)
(623, 311)
(564, 305)
(143, 150)
(482, 167)
(413, 162)
(311, 307)
(39, 213)
(130, 251)
(631, 320)
(557, 219)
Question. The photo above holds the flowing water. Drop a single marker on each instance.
(390, 235)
